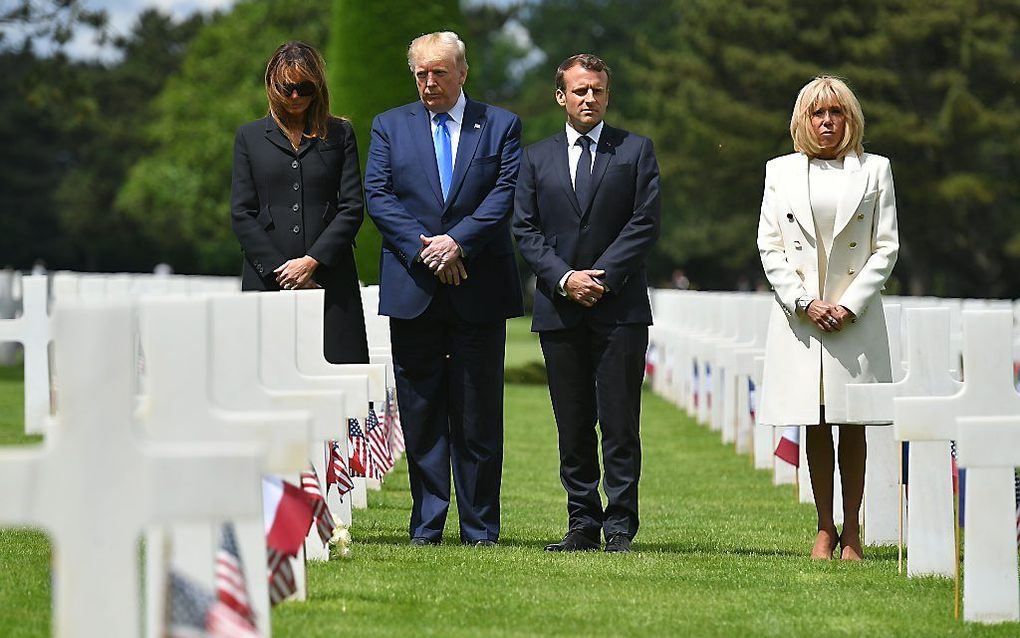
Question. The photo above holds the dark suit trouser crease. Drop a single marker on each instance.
(595, 374)
(449, 376)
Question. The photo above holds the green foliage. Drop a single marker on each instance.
(936, 81)
(181, 191)
(367, 62)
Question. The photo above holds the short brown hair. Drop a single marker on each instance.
(588, 61)
(292, 60)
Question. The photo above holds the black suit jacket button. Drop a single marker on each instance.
(295, 208)
(293, 164)
(296, 186)
(295, 229)
(584, 228)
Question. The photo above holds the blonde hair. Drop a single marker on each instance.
(826, 90)
(290, 62)
(444, 43)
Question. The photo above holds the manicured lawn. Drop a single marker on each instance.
(721, 552)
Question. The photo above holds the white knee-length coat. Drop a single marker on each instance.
(798, 356)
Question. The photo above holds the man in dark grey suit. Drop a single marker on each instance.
(586, 216)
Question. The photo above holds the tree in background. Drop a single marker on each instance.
(180, 193)
(52, 20)
(367, 66)
(937, 82)
(71, 129)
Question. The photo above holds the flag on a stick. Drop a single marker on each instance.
(282, 584)
(287, 515)
(231, 584)
(789, 446)
(324, 523)
(380, 458)
(193, 611)
(358, 449)
(336, 471)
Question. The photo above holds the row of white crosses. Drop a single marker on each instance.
(231, 380)
(927, 403)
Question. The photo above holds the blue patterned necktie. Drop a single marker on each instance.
(582, 178)
(444, 152)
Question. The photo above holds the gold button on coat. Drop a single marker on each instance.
(850, 271)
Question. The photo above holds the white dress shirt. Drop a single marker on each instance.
(453, 125)
(573, 157)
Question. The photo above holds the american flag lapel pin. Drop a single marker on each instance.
(477, 125)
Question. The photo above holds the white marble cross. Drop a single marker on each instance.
(178, 406)
(95, 484)
(930, 529)
(987, 391)
(280, 352)
(989, 447)
(32, 330)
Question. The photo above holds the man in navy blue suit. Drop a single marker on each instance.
(586, 218)
(439, 185)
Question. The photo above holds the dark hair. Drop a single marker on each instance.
(292, 60)
(588, 61)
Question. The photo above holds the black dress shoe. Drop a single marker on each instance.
(574, 541)
(618, 544)
(419, 541)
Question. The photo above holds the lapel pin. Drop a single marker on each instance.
(477, 125)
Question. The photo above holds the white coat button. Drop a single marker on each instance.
(850, 271)
(853, 245)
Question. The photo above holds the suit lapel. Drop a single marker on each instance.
(470, 132)
(562, 166)
(603, 156)
(800, 199)
(421, 132)
(276, 136)
(853, 191)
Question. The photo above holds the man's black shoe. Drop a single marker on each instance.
(419, 541)
(618, 544)
(574, 541)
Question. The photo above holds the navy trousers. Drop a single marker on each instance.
(449, 376)
(595, 374)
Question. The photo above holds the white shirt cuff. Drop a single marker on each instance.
(563, 282)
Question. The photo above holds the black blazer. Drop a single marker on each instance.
(286, 204)
(615, 232)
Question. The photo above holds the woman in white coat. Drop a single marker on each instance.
(828, 241)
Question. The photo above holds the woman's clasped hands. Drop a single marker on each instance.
(828, 317)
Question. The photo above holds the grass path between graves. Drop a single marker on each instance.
(721, 552)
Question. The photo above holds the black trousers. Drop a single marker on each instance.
(449, 377)
(595, 374)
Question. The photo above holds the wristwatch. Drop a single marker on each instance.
(803, 302)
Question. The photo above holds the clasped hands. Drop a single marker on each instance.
(442, 255)
(826, 316)
(296, 274)
(582, 287)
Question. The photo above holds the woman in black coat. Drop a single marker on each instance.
(296, 198)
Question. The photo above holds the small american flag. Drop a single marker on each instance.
(695, 385)
(751, 399)
(231, 585)
(281, 577)
(378, 445)
(392, 420)
(193, 612)
(336, 471)
(359, 449)
(324, 523)
(1016, 491)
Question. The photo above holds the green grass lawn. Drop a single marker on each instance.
(721, 552)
